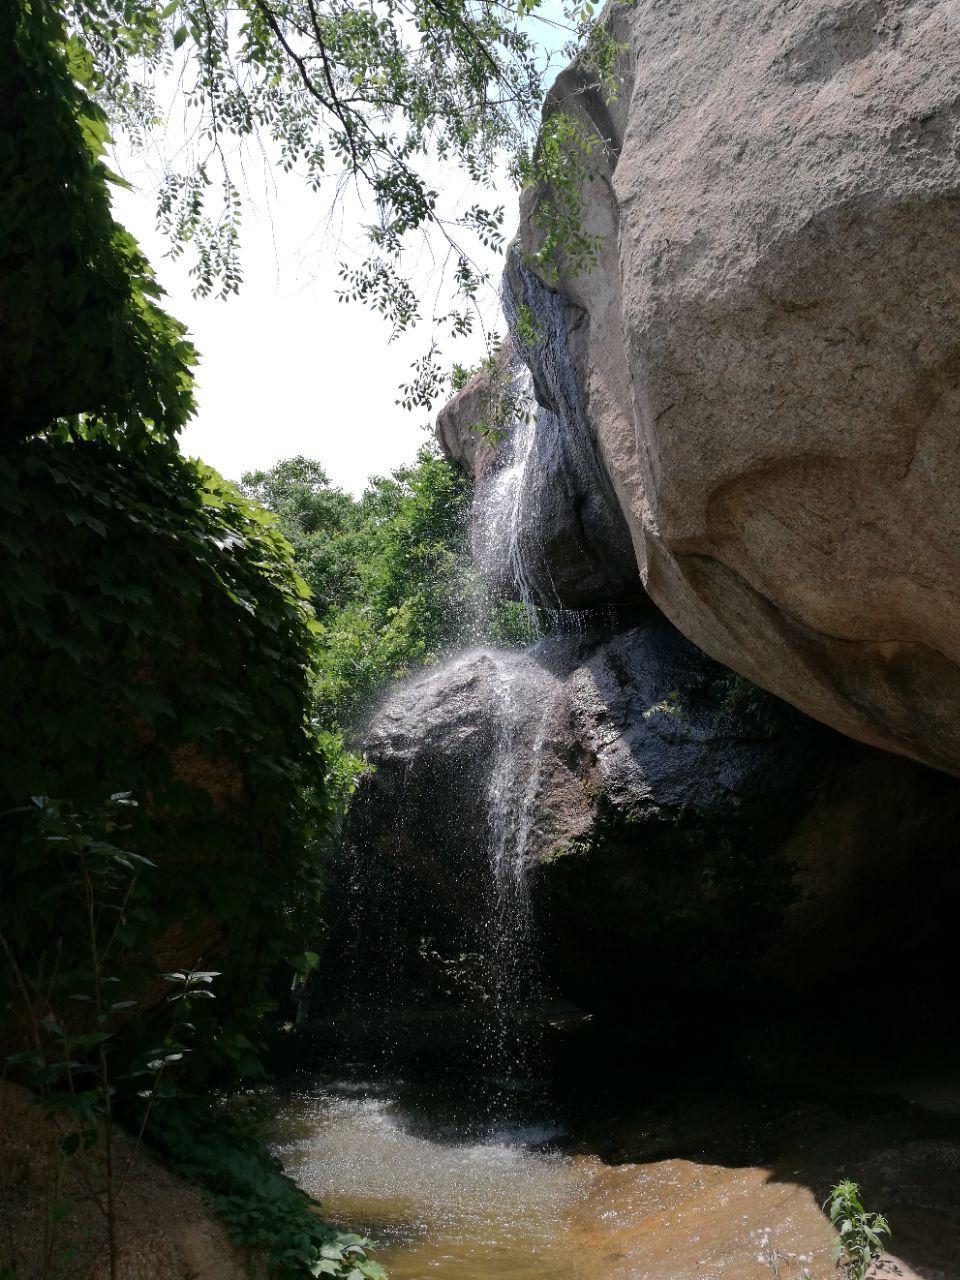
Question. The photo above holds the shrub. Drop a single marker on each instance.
(156, 641)
(859, 1232)
(390, 573)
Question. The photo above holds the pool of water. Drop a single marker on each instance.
(486, 1209)
(606, 1158)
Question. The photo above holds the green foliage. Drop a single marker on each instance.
(317, 520)
(503, 404)
(525, 327)
(390, 574)
(334, 86)
(859, 1232)
(69, 1002)
(222, 1149)
(595, 46)
(80, 329)
(560, 167)
(410, 587)
(157, 655)
(377, 93)
(91, 1059)
(560, 163)
(670, 705)
(745, 702)
(157, 641)
(461, 374)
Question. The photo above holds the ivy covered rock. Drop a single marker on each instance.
(81, 330)
(157, 642)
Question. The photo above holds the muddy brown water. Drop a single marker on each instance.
(500, 1208)
(482, 1210)
(601, 1167)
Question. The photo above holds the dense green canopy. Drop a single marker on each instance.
(390, 574)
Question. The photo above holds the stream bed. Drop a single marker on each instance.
(600, 1164)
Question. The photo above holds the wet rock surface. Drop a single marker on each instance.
(676, 821)
(546, 523)
(574, 539)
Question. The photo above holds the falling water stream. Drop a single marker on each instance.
(502, 525)
(512, 796)
(484, 1195)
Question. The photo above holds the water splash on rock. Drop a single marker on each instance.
(456, 927)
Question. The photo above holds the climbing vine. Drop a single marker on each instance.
(81, 331)
(157, 641)
(157, 653)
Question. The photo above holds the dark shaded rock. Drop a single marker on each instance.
(547, 526)
(682, 831)
(570, 535)
(421, 825)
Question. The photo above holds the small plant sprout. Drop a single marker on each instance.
(859, 1232)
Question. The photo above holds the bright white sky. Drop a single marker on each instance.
(284, 367)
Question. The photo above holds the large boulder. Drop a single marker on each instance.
(768, 347)
(668, 818)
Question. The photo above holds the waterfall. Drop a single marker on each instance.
(454, 800)
(511, 804)
(547, 527)
(441, 858)
(502, 518)
(524, 694)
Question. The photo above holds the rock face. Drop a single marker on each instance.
(461, 423)
(571, 541)
(547, 527)
(166, 1230)
(767, 352)
(674, 821)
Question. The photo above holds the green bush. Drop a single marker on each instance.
(72, 995)
(221, 1149)
(860, 1232)
(390, 574)
(156, 641)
